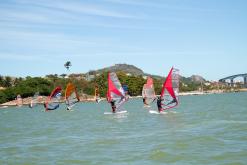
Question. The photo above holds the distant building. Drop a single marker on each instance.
(77, 76)
(145, 77)
(89, 77)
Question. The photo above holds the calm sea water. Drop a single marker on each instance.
(208, 129)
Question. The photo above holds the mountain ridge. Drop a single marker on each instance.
(135, 71)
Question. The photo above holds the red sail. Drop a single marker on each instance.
(52, 102)
(170, 89)
(115, 90)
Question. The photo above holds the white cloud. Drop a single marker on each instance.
(20, 57)
(75, 7)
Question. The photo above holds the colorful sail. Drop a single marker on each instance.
(71, 96)
(34, 100)
(148, 92)
(115, 91)
(52, 102)
(19, 101)
(126, 89)
(170, 90)
(97, 94)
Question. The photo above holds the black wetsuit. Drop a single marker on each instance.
(159, 104)
(113, 106)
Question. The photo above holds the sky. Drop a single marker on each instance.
(199, 37)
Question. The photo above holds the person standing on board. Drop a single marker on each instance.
(97, 95)
(113, 106)
(144, 101)
(159, 100)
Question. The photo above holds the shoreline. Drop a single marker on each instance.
(26, 101)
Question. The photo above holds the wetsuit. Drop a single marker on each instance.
(113, 106)
(144, 101)
(159, 104)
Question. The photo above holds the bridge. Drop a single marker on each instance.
(231, 78)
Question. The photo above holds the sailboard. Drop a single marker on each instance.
(52, 102)
(19, 101)
(117, 112)
(4, 106)
(170, 90)
(148, 93)
(157, 113)
(115, 93)
(34, 100)
(71, 96)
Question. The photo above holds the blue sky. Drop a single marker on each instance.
(205, 37)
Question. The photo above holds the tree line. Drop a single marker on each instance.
(27, 87)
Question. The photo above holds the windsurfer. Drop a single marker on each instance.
(30, 105)
(113, 106)
(97, 96)
(144, 101)
(159, 100)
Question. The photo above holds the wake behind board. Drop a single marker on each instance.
(118, 112)
(156, 112)
(146, 106)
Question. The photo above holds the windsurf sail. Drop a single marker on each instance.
(19, 101)
(115, 92)
(170, 89)
(34, 100)
(71, 96)
(148, 92)
(96, 94)
(52, 102)
(126, 89)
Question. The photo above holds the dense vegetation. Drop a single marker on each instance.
(28, 86)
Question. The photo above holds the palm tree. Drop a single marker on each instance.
(67, 65)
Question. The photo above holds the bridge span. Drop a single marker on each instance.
(231, 78)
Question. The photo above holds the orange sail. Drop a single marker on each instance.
(71, 95)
